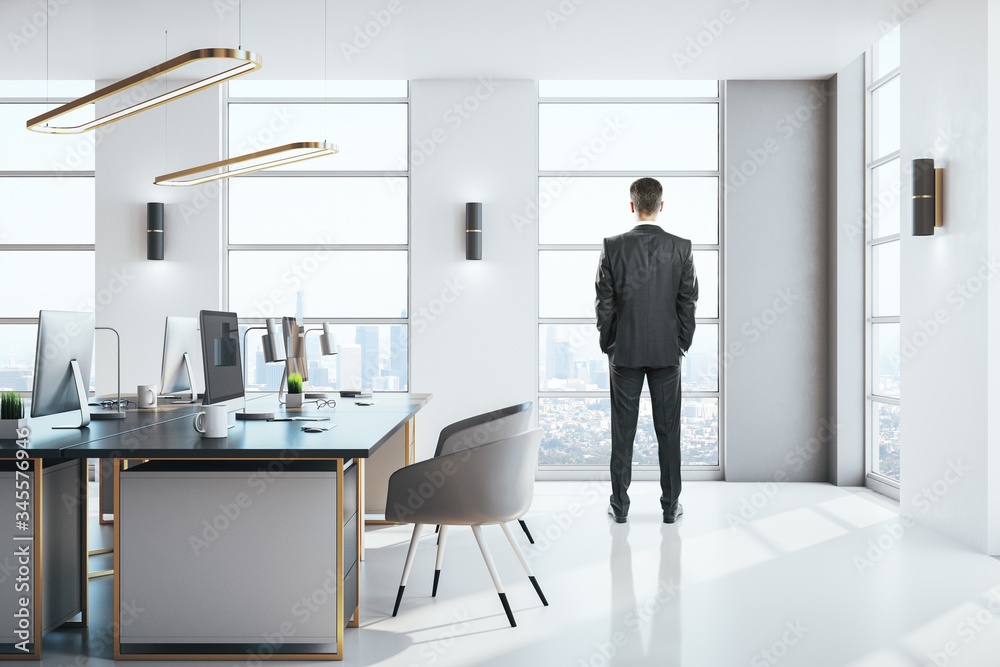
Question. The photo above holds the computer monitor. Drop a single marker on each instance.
(182, 368)
(63, 355)
(220, 346)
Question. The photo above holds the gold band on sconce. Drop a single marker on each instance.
(248, 60)
(265, 159)
(939, 197)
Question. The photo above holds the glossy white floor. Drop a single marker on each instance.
(795, 574)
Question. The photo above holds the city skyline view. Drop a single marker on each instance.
(577, 430)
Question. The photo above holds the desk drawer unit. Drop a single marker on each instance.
(232, 557)
(59, 549)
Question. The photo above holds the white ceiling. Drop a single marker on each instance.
(431, 39)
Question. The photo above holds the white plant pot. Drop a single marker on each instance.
(10, 427)
(293, 400)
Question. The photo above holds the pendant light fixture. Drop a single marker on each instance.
(268, 158)
(248, 62)
(265, 159)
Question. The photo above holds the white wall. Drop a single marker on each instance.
(944, 379)
(776, 277)
(993, 297)
(846, 241)
(473, 332)
(134, 294)
(473, 336)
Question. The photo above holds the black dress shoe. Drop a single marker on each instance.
(618, 519)
(671, 515)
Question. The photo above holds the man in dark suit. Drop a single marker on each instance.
(647, 291)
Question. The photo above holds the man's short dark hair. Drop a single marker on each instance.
(647, 193)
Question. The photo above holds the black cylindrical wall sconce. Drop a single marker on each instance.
(474, 230)
(928, 203)
(154, 230)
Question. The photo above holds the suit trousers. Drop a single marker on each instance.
(665, 392)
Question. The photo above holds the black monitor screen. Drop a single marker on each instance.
(220, 346)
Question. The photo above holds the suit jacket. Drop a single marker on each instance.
(646, 296)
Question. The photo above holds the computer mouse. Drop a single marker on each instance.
(312, 429)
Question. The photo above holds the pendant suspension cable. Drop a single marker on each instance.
(166, 109)
(47, 100)
(326, 80)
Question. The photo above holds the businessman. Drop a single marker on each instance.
(646, 297)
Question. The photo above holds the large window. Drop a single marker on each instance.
(594, 139)
(46, 220)
(326, 240)
(882, 265)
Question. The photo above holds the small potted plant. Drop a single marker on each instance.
(294, 398)
(11, 415)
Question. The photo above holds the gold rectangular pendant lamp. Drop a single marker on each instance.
(248, 60)
(265, 159)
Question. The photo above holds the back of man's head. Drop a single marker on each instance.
(647, 195)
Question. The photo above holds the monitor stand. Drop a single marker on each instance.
(118, 412)
(81, 395)
(245, 416)
(108, 415)
(194, 390)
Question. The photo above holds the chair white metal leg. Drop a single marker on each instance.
(409, 563)
(524, 563)
(440, 559)
(478, 532)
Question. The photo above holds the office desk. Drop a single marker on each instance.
(58, 522)
(57, 515)
(245, 546)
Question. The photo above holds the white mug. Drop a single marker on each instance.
(146, 396)
(212, 421)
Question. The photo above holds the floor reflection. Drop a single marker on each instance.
(647, 629)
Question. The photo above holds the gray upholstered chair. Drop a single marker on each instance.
(476, 486)
(479, 430)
